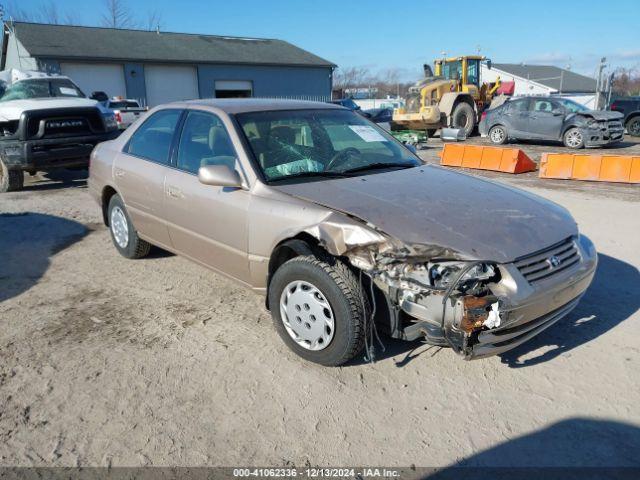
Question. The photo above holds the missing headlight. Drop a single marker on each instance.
(444, 274)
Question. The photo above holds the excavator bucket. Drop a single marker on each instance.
(596, 168)
(508, 160)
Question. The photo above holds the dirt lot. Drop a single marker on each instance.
(108, 361)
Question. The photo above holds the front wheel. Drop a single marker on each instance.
(573, 138)
(123, 234)
(10, 180)
(463, 117)
(498, 135)
(319, 309)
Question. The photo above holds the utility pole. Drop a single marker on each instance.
(601, 67)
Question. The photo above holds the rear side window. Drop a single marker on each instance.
(519, 105)
(152, 140)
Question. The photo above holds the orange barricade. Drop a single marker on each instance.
(509, 160)
(597, 168)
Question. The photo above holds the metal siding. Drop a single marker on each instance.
(304, 83)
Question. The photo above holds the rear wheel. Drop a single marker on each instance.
(319, 309)
(124, 235)
(633, 127)
(573, 138)
(463, 117)
(498, 135)
(10, 180)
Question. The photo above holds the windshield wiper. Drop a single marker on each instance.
(378, 166)
(309, 175)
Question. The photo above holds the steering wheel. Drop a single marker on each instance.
(341, 157)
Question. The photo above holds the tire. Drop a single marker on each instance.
(463, 117)
(573, 138)
(498, 135)
(340, 288)
(10, 180)
(633, 127)
(123, 233)
(431, 132)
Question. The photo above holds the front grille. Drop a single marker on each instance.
(615, 126)
(550, 261)
(56, 123)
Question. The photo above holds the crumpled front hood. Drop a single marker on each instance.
(602, 115)
(12, 109)
(432, 206)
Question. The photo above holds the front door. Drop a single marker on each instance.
(140, 170)
(207, 223)
(546, 119)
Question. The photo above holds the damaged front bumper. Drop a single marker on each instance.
(531, 294)
(603, 133)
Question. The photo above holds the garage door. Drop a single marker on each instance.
(97, 77)
(169, 84)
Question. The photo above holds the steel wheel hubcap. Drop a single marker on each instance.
(634, 127)
(119, 227)
(497, 135)
(574, 139)
(306, 315)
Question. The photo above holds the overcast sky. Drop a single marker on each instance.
(405, 34)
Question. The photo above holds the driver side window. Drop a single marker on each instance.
(204, 141)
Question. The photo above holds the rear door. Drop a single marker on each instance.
(546, 118)
(516, 117)
(140, 171)
(207, 223)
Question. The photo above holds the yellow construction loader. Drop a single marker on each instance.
(452, 97)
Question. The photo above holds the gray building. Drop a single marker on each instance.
(158, 67)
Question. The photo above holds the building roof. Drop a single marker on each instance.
(72, 42)
(550, 76)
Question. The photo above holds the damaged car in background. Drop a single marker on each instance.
(551, 118)
(343, 229)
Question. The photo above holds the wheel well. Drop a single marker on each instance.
(107, 193)
(631, 117)
(301, 244)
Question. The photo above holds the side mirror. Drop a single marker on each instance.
(219, 176)
(557, 112)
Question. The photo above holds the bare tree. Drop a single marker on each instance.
(351, 77)
(626, 81)
(154, 20)
(117, 15)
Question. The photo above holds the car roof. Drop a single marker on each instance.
(242, 105)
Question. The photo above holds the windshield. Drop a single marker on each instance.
(320, 143)
(572, 106)
(41, 88)
(452, 70)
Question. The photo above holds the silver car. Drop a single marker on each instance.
(343, 229)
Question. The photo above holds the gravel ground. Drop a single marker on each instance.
(107, 361)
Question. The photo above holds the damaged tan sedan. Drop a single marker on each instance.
(344, 230)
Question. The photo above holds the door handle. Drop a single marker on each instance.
(174, 192)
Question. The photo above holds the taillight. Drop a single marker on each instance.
(118, 117)
(614, 106)
(483, 116)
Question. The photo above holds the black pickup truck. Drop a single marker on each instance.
(46, 122)
(630, 108)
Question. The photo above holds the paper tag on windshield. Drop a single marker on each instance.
(68, 91)
(367, 133)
